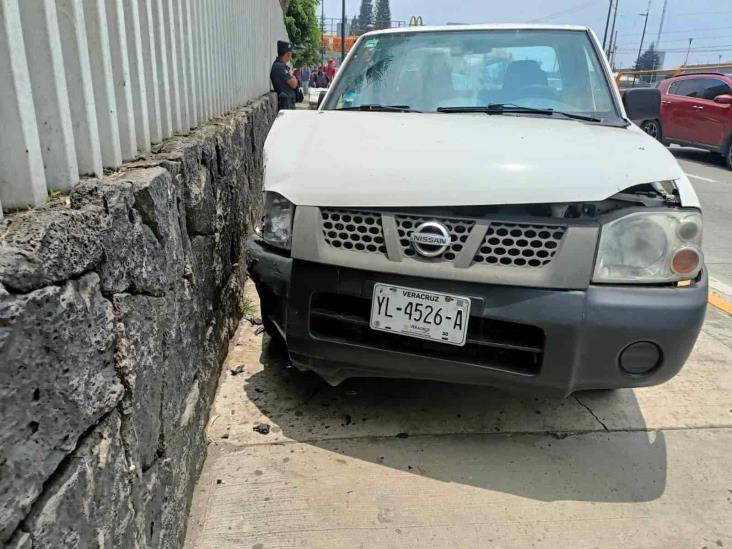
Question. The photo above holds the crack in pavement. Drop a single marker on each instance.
(586, 407)
(559, 435)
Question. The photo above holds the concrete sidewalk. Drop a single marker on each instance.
(377, 463)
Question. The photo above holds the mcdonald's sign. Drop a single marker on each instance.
(416, 21)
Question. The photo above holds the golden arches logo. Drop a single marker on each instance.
(416, 21)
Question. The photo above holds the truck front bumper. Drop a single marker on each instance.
(538, 340)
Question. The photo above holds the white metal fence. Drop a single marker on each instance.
(88, 84)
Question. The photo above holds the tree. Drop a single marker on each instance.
(383, 15)
(649, 60)
(302, 25)
(365, 17)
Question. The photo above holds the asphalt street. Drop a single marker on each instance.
(713, 183)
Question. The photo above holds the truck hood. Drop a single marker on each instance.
(373, 159)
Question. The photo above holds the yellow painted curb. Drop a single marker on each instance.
(720, 303)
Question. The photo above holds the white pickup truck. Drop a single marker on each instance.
(486, 213)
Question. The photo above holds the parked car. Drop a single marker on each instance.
(514, 231)
(696, 110)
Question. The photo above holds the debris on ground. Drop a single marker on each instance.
(347, 419)
(225, 435)
(236, 370)
(253, 320)
(261, 428)
(259, 330)
(402, 435)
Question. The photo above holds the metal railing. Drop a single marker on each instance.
(634, 78)
(88, 84)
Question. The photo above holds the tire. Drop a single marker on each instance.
(728, 154)
(653, 128)
(269, 326)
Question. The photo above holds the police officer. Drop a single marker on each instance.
(284, 84)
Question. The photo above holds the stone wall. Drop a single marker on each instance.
(116, 307)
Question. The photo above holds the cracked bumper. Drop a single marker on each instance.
(582, 332)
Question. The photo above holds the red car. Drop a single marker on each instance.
(696, 110)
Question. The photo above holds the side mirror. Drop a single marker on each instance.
(725, 99)
(321, 97)
(642, 103)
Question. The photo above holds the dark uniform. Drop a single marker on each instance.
(279, 75)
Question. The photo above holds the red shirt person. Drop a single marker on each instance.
(330, 69)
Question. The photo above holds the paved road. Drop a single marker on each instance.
(713, 183)
(379, 463)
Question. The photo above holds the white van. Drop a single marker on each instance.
(473, 204)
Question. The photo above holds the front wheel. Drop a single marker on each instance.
(653, 128)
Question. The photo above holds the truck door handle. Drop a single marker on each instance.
(697, 107)
(666, 102)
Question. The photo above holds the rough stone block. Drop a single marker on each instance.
(57, 378)
(88, 503)
(141, 326)
(46, 246)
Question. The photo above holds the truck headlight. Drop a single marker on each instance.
(276, 226)
(650, 247)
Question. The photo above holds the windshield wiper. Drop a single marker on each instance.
(379, 108)
(501, 108)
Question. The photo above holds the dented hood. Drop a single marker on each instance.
(373, 159)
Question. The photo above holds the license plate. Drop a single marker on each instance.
(419, 313)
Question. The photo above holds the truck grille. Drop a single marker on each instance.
(353, 230)
(513, 244)
(519, 244)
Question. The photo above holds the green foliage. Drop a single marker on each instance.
(648, 61)
(302, 25)
(383, 15)
(247, 308)
(365, 16)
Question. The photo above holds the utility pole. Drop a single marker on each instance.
(686, 61)
(614, 51)
(643, 36)
(343, 30)
(607, 24)
(660, 25)
(613, 33)
(322, 33)
(719, 63)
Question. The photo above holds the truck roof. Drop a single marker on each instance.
(496, 26)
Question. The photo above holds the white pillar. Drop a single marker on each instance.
(79, 85)
(149, 59)
(50, 96)
(122, 80)
(138, 81)
(170, 28)
(191, 41)
(103, 82)
(182, 62)
(161, 53)
(22, 181)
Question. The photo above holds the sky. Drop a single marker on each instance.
(708, 22)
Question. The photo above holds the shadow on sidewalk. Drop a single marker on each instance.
(547, 450)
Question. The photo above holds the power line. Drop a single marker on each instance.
(572, 9)
(684, 31)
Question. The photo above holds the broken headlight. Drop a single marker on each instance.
(276, 226)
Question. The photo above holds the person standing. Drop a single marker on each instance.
(330, 69)
(284, 84)
(305, 77)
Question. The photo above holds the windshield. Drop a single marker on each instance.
(427, 71)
